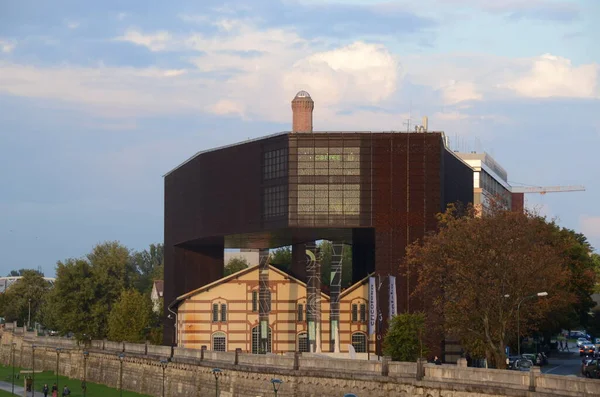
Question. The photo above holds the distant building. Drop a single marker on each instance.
(490, 181)
(224, 315)
(6, 282)
(157, 295)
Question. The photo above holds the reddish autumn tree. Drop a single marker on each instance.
(477, 271)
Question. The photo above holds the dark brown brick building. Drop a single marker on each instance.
(378, 191)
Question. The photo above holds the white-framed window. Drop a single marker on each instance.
(359, 342)
(303, 342)
(256, 348)
(219, 342)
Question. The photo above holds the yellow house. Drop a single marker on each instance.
(223, 315)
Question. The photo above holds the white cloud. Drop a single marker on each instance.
(7, 46)
(590, 226)
(554, 76)
(460, 91)
(225, 106)
(154, 42)
(72, 24)
(121, 16)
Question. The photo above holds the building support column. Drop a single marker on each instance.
(312, 299)
(335, 286)
(264, 297)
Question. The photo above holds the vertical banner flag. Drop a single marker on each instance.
(372, 305)
(393, 309)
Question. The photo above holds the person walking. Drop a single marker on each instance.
(66, 391)
(54, 390)
(45, 390)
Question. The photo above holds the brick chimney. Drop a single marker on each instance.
(302, 109)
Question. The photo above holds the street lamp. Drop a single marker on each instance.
(163, 364)
(121, 357)
(217, 372)
(519, 318)
(13, 348)
(58, 350)
(85, 358)
(276, 385)
(33, 370)
(29, 316)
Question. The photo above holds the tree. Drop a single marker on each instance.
(70, 306)
(29, 291)
(149, 265)
(404, 338)
(86, 289)
(282, 258)
(130, 317)
(477, 271)
(21, 272)
(235, 265)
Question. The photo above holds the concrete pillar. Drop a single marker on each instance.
(534, 372)
(335, 287)
(264, 299)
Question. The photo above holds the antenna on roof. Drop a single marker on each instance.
(407, 123)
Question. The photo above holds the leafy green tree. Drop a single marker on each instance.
(149, 266)
(29, 291)
(130, 317)
(404, 338)
(70, 306)
(21, 272)
(235, 265)
(282, 258)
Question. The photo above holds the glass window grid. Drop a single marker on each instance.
(354, 313)
(223, 312)
(300, 313)
(256, 340)
(303, 342)
(254, 301)
(275, 164)
(275, 201)
(359, 342)
(363, 313)
(215, 313)
(219, 342)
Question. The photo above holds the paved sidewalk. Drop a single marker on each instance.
(6, 386)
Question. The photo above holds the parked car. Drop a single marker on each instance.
(581, 341)
(536, 359)
(523, 364)
(587, 349)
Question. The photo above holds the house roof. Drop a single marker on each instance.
(159, 286)
(355, 285)
(236, 275)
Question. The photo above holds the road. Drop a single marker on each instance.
(564, 363)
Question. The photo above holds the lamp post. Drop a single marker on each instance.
(217, 372)
(85, 358)
(58, 350)
(33, 370)
(519, 318)
(163, 364)
(29, 316)
(13, 348)
(276, 385)
(121, 357)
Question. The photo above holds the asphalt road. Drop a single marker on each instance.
(564, 363)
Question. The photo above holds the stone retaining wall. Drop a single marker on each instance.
(188, 372)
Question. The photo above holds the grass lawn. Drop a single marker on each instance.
(6, 394)
(49, 377)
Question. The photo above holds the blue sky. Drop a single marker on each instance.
(99, 99)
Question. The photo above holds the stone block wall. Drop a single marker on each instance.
(189, 373)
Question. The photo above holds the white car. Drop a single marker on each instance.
(582, 341)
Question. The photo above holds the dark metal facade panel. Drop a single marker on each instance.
(378, 191)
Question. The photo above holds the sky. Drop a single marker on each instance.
(98, 100)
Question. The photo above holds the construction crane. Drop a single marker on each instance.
(546, 189)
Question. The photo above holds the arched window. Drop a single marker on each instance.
(219, 342)
(303, 342)
(359, 342)
(256, 348)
